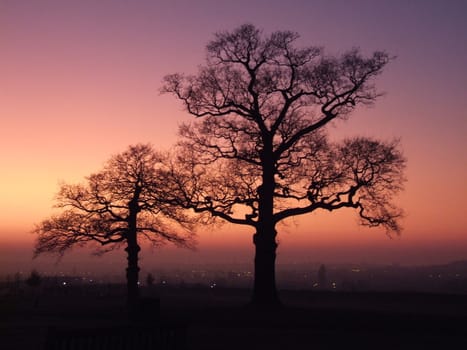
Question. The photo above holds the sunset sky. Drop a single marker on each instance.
(80, 80)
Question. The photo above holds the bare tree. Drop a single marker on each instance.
(260, 153)
(34, 279)
(322, 278)
(116, 206)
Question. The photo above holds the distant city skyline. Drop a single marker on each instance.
(439, 279)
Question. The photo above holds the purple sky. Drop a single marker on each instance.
(80, 81)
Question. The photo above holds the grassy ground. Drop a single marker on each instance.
(221, 319)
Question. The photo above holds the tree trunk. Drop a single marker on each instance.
(265, 292)
(264, 289)
(132, 271)
(132, 250)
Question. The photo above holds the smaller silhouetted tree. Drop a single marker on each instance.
(16, 283)
(117, 206)
(322, 277)
(34, 280)
(150, 279)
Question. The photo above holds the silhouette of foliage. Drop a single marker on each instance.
(34, 279)
(118, 205)
(322, 276)
(260, 152)
(150, 279)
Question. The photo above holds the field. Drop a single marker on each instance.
(222, 319)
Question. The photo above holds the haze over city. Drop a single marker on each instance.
(80, 81)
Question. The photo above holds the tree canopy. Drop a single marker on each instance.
(121, 204)
(260, 152)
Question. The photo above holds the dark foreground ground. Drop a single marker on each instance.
(220, 319)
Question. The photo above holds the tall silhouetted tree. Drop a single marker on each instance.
(116, 206)
(260, 153)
